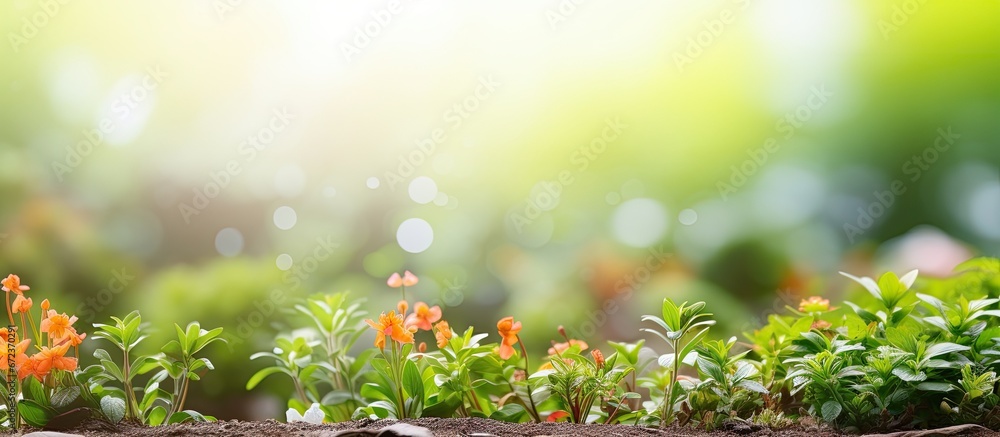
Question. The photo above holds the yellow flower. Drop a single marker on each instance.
(508, 330)
(392, 325)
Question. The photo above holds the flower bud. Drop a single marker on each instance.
(598, 358)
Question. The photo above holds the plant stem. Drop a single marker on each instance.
(531, 401)
(397, 371)
(668, 407)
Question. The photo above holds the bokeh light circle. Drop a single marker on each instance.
(639, 222)
(283, 261)
(229, 242)
(415, 235)
(423, 190)
(285, 218)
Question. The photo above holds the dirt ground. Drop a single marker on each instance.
(471, 427)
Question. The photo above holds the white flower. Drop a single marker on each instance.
(313, 415)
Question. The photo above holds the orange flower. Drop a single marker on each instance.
(13, 283)
(820, 325)
(21, 304)
(598, 357)
(422, 347)
(392, 325)
(402, 306)
(442, 332)
(57, 325)
(556, 415)
(395, 281)
(41, 363)
(423, 316)
(815, 304)
(19, 348)
(508, 330)
(74, 338)
(559, 348)
(45, 305)
(30, 367)
(409, 279)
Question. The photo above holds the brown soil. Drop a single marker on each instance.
(468, 427)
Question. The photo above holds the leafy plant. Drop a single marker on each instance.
(125, 334)
(682, 328)
(731, 380)
(320, 367)
(177, 361)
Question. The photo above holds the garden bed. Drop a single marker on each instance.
(477, 426)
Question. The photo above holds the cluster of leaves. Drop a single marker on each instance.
(893, 358)
(317, 360)
(151, 404)
(107, 391)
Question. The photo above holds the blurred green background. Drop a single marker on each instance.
(567, 163)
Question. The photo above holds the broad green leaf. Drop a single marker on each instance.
(412, 382)
(831, 411)
(264, 373)
(65, 395)
(113, 407)
(156, 416)
(34, 413)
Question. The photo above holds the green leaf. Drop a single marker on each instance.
(831, 410)
(112, 369)
(34, 390)
(65, 395)
(264, 373)
(186, 416)
(936, 386)
(671, 315)
(156, 416)
(113, 407)
(34, 413)
(943, 348)
(412, 382)
(173, 350)
(509, 413)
